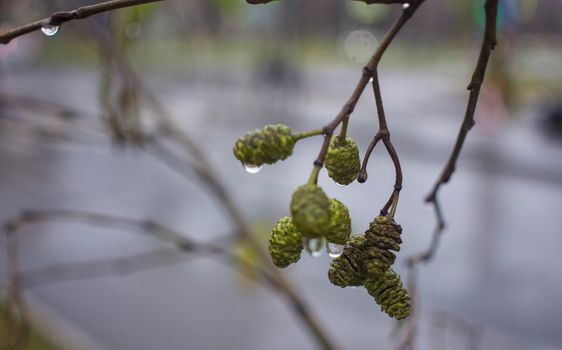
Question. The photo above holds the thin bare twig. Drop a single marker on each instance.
(255, 2)
(383, 135)
(58, 18)
(384, 1)
(143, 226)
(95, 269)
(368, 70)
(488, 44)
(149, 227)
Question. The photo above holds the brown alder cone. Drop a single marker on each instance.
(348, 269)
(390, 294)
(382, 237)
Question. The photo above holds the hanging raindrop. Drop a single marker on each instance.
(252, 169)
(48, 29)
(314, 247)
(334, 249)
(405, 6)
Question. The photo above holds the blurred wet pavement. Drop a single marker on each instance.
(498, 266)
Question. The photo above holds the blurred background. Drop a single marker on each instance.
(73, 127)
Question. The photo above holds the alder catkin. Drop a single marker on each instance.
(390, 294)
(285, 243)
(382, 236)
(310, 208)
(265, 146)
(342, 160)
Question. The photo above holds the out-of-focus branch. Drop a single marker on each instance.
(444, 322)
(143, 226)
(17, 325)
(58, 18)
(195, 160)
(411, 323)
(31, 103)
(94, 269)
(148, 227)
(488, 44)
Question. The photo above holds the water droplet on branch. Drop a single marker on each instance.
(49, 30)
(252, 169)
(405, 6)
(334, 249)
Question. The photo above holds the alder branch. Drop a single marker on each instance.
(256, 2)
(58, 18)
(368, 70)
(149, 227)
(488, 43)
(388, 2)
(384, 135)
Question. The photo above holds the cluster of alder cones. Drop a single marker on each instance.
(357, 260)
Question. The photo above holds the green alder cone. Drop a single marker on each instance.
(310, 208)
(390, 294)
(340, 223)
(342, 160)
(265, 146)
(382, 236)
(285, 243)
(348, 268)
